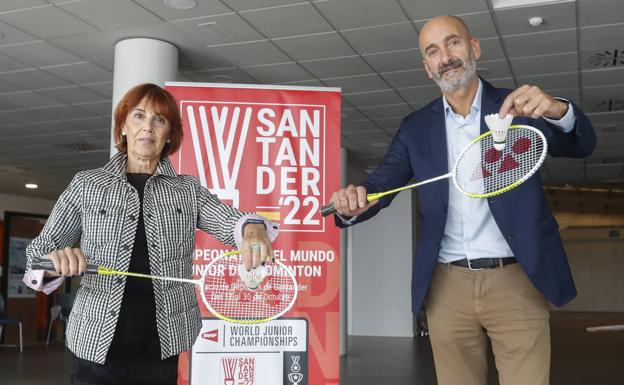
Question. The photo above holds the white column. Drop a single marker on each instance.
(343, 262)
(141, 60)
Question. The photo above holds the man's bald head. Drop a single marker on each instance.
(442, 21)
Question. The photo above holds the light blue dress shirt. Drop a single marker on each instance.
(471, 231)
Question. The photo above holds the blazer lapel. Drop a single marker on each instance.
(439, 148)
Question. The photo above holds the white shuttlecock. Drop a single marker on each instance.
(253, 277)
(499, 128)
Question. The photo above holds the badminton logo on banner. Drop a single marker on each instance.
(273, 150)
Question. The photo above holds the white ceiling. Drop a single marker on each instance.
(56, 63)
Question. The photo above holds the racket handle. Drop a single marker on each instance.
(328, 209)
(44, 264)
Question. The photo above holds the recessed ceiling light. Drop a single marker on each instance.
(536, 21)
(180, 4)
(31, 185)
(217, 29)
(221, 78)
(498, 4)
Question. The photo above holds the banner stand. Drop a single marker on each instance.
(274, 150)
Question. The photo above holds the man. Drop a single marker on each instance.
(481, 266)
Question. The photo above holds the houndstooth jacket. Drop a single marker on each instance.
(101, 208)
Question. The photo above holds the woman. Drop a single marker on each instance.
(136, 214)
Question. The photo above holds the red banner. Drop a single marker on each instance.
(273, 150)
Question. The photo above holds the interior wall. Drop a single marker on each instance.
(596, 257)
(591, 223)
(23, 204)
(380, 260)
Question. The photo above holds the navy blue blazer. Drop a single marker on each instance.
(419, 151)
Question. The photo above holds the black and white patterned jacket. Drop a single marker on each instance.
(100, 208)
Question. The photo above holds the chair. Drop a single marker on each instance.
(67, 302)
(55, 312)
(60, 311)
(10, 321)
(422, 328)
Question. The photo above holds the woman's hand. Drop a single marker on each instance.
(257, 247)
(67, 262)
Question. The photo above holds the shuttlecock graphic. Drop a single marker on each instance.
(499, 128)
(253, 277)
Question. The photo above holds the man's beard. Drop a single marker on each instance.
(461, 81)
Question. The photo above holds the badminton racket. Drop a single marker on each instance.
(227, 289)
(481, 171)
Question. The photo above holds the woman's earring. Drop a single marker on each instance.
(168, 140)
(123, 133)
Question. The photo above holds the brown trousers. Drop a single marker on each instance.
(463, 305)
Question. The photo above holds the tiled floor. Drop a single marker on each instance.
(578, 358)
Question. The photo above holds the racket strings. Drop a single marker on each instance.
(483, 170)
(226, 294)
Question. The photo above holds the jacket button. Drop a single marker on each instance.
(125, 247)
(118, 280)
(179, 210)
(132, 218)
(149, 216)
(102, 212)
(154, 244)
(112, 313)
(34, 281)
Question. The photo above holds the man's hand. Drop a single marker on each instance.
(351, 201)
(532, 102)
(256, 245)
(67, 262)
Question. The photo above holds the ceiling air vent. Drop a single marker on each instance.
(606, 105)
(607, 58)
(81, 147)
(607, 128)
(12, 169)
